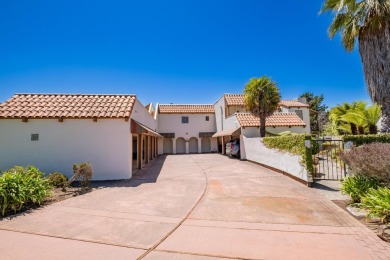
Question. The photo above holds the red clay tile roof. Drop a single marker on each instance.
(186, 109)
(292, 103)
(67, 106)
(238, 100)
(277, 119)
(234, 99)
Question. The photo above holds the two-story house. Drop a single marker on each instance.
(186, 128)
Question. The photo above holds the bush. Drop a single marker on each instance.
(377, 203)
(359, 140)
(372, 160)
(357, 186)
(57, 179)
(82, 172)
(22, 186)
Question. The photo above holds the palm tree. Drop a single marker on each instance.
(337, 113)
(365, 119)
(368, 22)
(261, 98)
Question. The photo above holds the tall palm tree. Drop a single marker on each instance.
(261, 98)
(368, 22)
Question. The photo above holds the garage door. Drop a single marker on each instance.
(180, 145)
(206, 146)
(193, 145)
(168, 145)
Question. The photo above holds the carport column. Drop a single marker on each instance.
(147, 149)
(187, 146)
(152, 145)
(174, 145)
(200, 144)
(156, 152)
(139, 151)
(223, 145)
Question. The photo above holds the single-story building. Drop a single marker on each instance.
(115, 133)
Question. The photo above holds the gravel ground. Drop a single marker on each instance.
(329, 189)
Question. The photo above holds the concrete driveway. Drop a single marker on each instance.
(202, 206)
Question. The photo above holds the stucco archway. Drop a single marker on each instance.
(180, 145)
(168, 146)
(206, 145)
(193, 145)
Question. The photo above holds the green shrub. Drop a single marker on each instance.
(357, 186)
(359, 140)
(57, 179)
(294, 144)
(28, 170)
(372, 160)
(22, 186)
(377, 203)
(82, 172)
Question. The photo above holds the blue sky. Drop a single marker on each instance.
(173, 51)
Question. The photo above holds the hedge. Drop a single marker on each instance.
(359, 140)
(294, 144)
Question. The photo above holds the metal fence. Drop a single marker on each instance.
(327, 163)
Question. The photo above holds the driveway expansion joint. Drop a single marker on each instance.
(74, 239)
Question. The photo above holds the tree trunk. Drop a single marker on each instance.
(353, 129)
(385, 125)
(262, 124)
(374, 49)
(361, 130)
(373, 130)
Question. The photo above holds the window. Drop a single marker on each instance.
(207, 118)
(299, 113)
(34, 137)
(184, 119)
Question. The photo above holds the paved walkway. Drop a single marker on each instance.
(204, 206)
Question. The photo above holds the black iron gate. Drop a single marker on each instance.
(327, 163)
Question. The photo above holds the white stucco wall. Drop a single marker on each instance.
(171, 123)
(220, 113)
(235, 109)
(255, 150)
(231, 123)
(106, 144)
(142, 115)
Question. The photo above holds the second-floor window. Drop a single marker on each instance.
(184, 120)
(207, 118)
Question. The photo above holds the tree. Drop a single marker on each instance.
(261, 98)
(365, 120)
(356, 118)
(368, 23)
(337, 113)
(315, 104)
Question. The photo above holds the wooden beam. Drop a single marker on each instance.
(61, 119)
(24, 119)
(95, 119)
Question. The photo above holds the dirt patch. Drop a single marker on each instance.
(372, 224)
